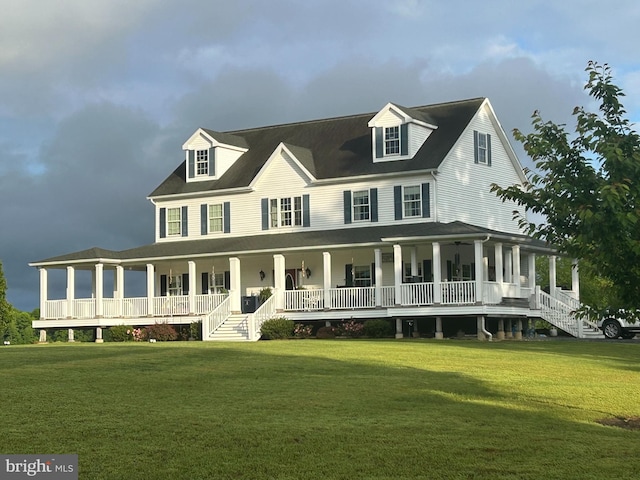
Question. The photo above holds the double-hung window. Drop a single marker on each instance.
(361, 206)
(412, 201)
(482, 148)
(174, 221)
(408, 278)
(174, 286)
(202, 162)
(285, 212)
(216, 283)
(215, 218)
(361, 276)
(392, 140)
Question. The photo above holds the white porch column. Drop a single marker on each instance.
(192, 287)
(397, 273)
(99, 289)
(118, 288)
(515, 253)
(532, 271)
(439, 334)
(150, 289)
(399, 328)
(377, 259)
(326, 267)
(437, 276)
(70, 335)
(575, 280)
(43, 336)
(414, 261)
(500, 334)
(43, 292)
(235, 302)
(478, 259)
(508, 266)
(71, 291)
(279, 281)
(499, 265)
(552, 275)
(99, 335)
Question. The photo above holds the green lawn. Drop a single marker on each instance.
(341, 409)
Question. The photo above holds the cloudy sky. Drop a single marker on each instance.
(97, 96)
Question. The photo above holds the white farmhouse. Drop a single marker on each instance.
(379, 215)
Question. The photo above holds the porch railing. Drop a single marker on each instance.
(388, 296)
(266, 311)
(303, 300)
(458, 293)
(416, 294)
(352, 297)
(212, 321)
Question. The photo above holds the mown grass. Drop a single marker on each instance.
(316, 409)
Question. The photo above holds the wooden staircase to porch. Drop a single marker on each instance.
(558, 311)
(234, 329)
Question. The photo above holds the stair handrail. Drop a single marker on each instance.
(557, 313)
(266, 311)
(575, 305)
(215, 318)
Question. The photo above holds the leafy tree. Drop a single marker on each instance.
(586, 188)
(5, 307)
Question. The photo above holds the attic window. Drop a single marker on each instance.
(392, 140)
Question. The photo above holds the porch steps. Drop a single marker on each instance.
(234, 329)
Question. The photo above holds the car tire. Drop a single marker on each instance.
(611, 329)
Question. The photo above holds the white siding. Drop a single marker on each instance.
(417, 136)
(464, 186)
(225, 157)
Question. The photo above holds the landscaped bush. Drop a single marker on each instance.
(378, 328)
(277, 328)
(195, 328)
(162, 332)
(301, 330)
(353, 328)
(326, 332)
(121, 333)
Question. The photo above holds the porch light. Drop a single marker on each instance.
(308, 272)
(262, 275)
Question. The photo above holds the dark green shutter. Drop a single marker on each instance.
(227, 279)
(212, 162)
(404, 139)
(204, 219)
(373, 199)
(163, 222)
(347, 206)
(348, 275)
(306, 216)
(473, 271)
(449, 270)
(379, 142)
(265, 213)
(192, 164)
(427, 274)
(397, 201)
(475, 146)
(226, 208)
(185, 231)
(185, 283)
(426, 203)
(488, 149)
(163, 285)
(205, 283)
(373, 274)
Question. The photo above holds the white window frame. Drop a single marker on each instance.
(216, 283)
(361, 212)
(213, 218)
(285, 212)
(174, 285)
(412, 206)
(483, 148)
(362, 275)
(202, 163)
(408, 278)
(392, 141)
(174, 221)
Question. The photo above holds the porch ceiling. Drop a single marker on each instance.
(308, 240)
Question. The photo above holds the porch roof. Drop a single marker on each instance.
(357, 236)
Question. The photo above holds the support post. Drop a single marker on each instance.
(515, 253)
(43, 292)
(499, 265)
(478, 260)
(532, 272)
(575, 280)
(43, 336)
(70, 333)
(150, 289)
(500, 334)
(509, 329)
(377, 254)
(399, 328)
(99, 335)
(326, 267)
(235, 301)
(279, 281)
(552, 276)
(439, 334)
(508, 266)
(437, 274)
(518, 334)
(192, 287)
(71, 291)
(99, 289)
(118, 289)
(397, 271)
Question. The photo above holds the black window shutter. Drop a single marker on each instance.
(265, 213)
(449, 270)
(163, 285)
(226, 208)
(488, 149)
(373, 273)
(373, 199)
(379, 142)
(397, 201)
(347, 206)
(212, 162)
(185, 283)
(348, 275)
(163, 222)
(185, 223)
(426, 203)
(205, 283)
(475, 146)
(192, 164)
(404, 139)
(473, 270)
(204, 218)
(227, 279)
(427, 273)
(306, 216)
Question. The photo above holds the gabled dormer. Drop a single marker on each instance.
(397, 133)
(210, 154)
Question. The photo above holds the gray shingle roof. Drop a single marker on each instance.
(340, 147)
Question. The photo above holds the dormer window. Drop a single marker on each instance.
(202, 162)
(392, 140)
